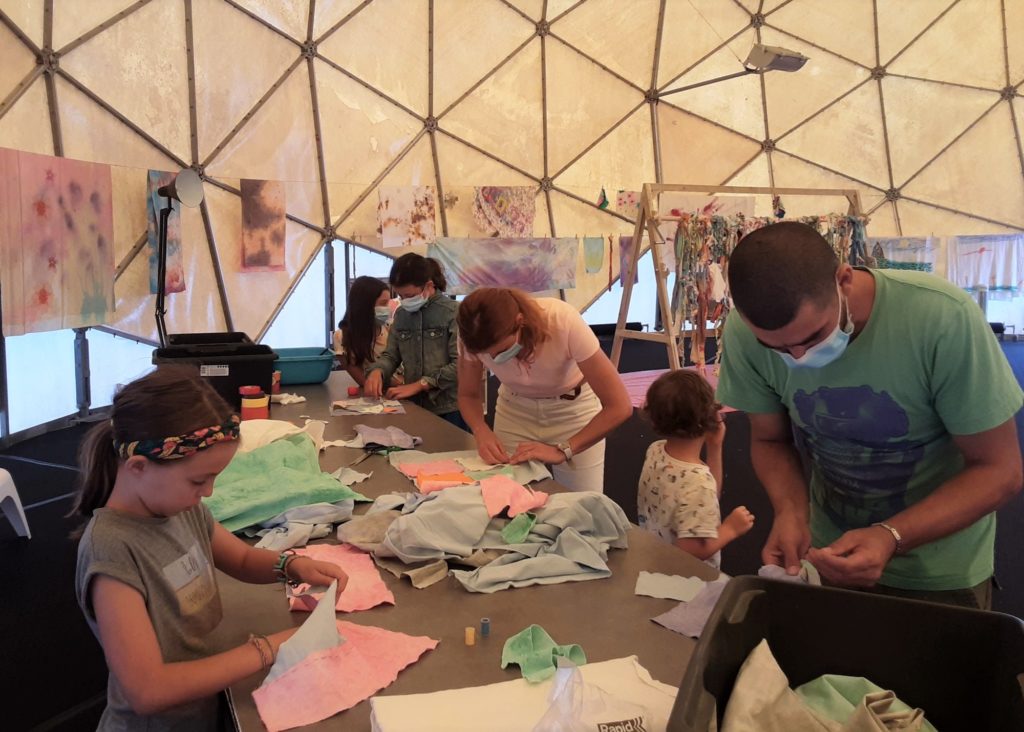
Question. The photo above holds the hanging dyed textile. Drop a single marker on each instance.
(593, 253)
(533, 265)
(625, 257)
(703, 245)
(505, 211)
(994, 263)
(405, 215)
(913, 253)
(174, 275)
(56, 243)
(627, 203)
(263, 225)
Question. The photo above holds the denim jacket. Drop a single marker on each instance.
(426, 344)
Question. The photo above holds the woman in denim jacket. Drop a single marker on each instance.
(423, 339)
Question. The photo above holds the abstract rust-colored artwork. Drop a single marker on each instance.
(263, 225)
(56, 243)
(406, 215)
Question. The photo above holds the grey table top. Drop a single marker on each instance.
(603, 616)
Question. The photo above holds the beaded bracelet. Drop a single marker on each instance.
(265, 658)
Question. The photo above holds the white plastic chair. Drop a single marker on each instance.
(11, 504)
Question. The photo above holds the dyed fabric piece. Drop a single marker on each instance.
(428, 467)
(318, 633)
(56, 243)
(667, 586)
(807, 575)
(672, 203)
(469, 461)
(536, 653)
(593, 254)
(533, 265)
(331, 681)
(505, 211)
(915, 253)
(365, 588)
(269, 480)
(625, 255)
(500, 491)
(430, 482)
(174, 277)
(391, 436)
(263, 225)
(627, 203)
(505, 470)
(995, 263)
(366, 405)
(840, 698)
(516, 530)
(689, 618)
(406, 215)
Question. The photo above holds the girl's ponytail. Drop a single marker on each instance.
(98, 464)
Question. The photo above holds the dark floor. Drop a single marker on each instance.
(53, 675)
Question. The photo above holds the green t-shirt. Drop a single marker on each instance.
(877, 423)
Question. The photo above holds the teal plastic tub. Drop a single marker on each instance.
(304, 365)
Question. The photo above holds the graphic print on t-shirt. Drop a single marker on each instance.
(853, 437)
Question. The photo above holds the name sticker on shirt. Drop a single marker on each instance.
(191, 579)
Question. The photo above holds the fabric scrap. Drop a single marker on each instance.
(318, 633)
(689, 618)
(469, 460)
(500, 491)
(286, 399)
(420, 575)
(366, 532)
(365, 588)
(390, 436)
(435, 467)
(430, 482)
(667, 586)
(516, 530)
(535, 652)
(264, 482)
(807, 575)
(367, 405)
(348, 476)
(848, 699)
(331, 681)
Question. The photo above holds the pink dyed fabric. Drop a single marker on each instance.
(500, 491)
(637, 383)
(437, 467)
(365, 588)
(331, 681)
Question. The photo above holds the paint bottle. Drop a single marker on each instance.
(275, 383)
(255, 404)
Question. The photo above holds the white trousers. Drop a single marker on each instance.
(524, 419)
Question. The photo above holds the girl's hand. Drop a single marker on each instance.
(374, 385)
(313, 572)
(490, 449)
(405, 391)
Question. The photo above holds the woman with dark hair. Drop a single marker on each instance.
(423, 340)
(560, 395)
(362, 334)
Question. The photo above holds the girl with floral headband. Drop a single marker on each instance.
(145, 577)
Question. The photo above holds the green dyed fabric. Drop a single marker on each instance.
(516, 530)
(264, 482)
(837, 697)
(536, 653)
(481, 474)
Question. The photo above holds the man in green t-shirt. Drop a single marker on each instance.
(892, 386)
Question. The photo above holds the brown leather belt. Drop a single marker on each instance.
(570, 396)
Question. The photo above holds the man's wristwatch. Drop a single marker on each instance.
(566, 450)
(424, 383)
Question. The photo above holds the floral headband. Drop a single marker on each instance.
(175, 448)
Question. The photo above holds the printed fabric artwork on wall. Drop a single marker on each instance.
(533, 265)
(994, 263)
(406, 215)
(174, 277)
(908, 252)
(505, 211)
(263, 225)
(627, 203)
(625, 253)
(56, 243)
(593, 254)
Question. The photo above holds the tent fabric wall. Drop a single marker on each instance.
(338, 97)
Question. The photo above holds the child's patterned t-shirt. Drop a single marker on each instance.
(677, 499)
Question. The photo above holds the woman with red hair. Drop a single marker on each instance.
(560, 395)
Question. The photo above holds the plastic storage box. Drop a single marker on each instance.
(959, 665)
(226, 360)
(304, 365)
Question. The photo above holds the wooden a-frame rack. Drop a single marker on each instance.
(648, 219)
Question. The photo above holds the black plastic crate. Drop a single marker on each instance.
(226, 360)
(959, 665)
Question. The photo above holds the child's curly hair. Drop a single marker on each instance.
(682, 404)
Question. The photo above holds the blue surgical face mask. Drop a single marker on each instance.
(382, 313)
(509, 353)
(824, 353)
(412, 304)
